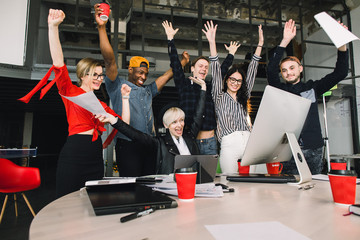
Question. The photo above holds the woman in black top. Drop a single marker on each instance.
(177, 140)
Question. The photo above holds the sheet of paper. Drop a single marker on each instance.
(337, 33)
(269, 230)
(201, 190)
(88, 101)
(111, 181)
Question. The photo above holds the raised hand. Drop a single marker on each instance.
(125, 90)
(261, 36)
(98, 11)
(289, 33)
(55, 17)
(233, 47)
(199, 81)
(210, 31)
(185, 58)
(169, 30)
(343, 47)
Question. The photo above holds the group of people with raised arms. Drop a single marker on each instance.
(208, 109)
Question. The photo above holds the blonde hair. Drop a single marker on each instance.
(171, 115)
(86, 66)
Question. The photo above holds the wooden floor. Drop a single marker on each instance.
(13, 228)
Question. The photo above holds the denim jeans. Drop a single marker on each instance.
(207, 146)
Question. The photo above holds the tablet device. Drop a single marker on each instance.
(128, 197)
(205, 165)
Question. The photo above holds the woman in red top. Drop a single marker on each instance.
(80, 159)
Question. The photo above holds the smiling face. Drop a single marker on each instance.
(291, 71)
(91, 82)
(234, 82)
(173, 119)
(138, 75)
(200, 69)
(176, 127)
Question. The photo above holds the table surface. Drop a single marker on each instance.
(18, 152)
(311, 213)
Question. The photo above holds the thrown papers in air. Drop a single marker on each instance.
(337, 33)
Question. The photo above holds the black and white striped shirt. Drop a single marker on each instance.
(230, 114)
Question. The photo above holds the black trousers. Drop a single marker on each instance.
(134, 159)
(80, 160)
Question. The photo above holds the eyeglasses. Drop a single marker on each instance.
(234, 80)
(97, 76)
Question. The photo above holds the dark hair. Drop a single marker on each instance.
(197, 59)
(241, 95)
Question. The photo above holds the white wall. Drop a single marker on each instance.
(13, 20)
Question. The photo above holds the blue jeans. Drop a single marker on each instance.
(207, 146)
(314, 159)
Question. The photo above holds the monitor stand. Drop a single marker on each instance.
(301, 164)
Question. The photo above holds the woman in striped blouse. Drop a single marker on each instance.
(230, 97)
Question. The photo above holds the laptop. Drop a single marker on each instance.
(205, 165)
(128, 197)
(262, 178)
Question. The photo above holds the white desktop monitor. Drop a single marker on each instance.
(276, 129)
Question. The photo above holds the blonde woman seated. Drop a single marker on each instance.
(177, 140)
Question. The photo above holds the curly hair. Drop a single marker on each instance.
(242, 94)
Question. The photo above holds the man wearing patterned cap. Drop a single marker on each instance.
(131, 160)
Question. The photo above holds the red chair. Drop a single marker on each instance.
(14, 178)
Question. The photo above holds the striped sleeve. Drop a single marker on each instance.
(216, 90)
(251, 73)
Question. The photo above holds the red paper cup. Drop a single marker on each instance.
(343, 186)
(274, 168)
(106, 11)
(337, 164)
(243, 169)
(186, 182)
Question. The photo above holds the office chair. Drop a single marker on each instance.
(14, 178)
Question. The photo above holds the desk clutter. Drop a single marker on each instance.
(120, 195)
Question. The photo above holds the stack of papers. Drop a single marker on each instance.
(201, 190)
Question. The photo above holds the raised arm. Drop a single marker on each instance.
(105, 46)
(260, 42)
(254, 64)
(210, 33)
(289, 33)
(343, 47)
(125, 93)
(163, 79)
(55, 18)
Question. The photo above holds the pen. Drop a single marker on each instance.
(136, 215)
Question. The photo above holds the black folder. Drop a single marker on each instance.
(128, 197)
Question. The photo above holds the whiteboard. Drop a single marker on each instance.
(13, 20)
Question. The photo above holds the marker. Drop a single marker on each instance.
(136, 215)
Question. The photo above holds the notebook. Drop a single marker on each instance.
(262, 178)
(129, 197)
(205, 165)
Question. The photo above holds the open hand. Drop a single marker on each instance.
(210, 31)
(233, 47)
(169, 30)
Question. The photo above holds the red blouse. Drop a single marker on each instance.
(79, 119)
